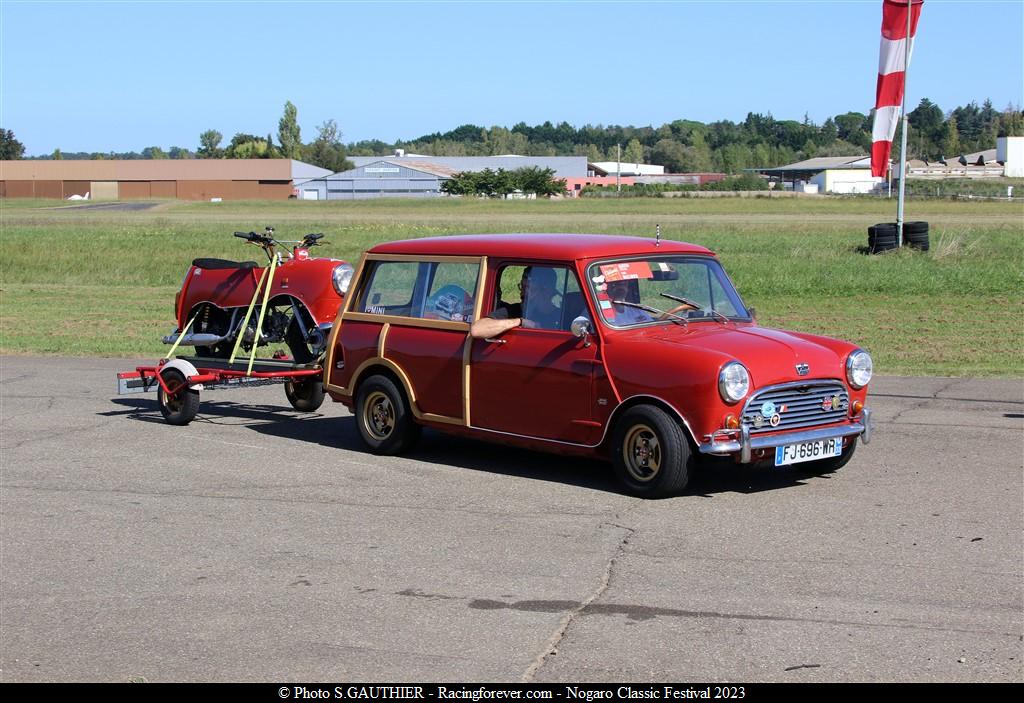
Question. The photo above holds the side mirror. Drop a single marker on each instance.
(753, 314)
(581, 328)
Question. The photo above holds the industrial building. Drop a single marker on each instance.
(827, 174)
(408, 176)
(183, 179)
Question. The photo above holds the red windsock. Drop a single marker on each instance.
(893, 60)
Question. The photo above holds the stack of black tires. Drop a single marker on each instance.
(882, 237)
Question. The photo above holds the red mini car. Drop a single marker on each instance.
(624, 348)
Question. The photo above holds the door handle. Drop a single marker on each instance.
(494, 340)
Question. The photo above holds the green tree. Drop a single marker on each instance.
(1011, 122)
(288, 133)
(57, 156)
(951, 139)
(634, 152)
(10, 148)
(153, 152)
(209, 145)
(327, 151)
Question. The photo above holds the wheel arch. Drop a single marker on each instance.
(390, 370)
(634, 401)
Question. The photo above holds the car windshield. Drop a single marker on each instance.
(632, 292)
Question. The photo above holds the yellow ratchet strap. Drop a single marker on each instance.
(263, 313)
(180, 337)
(248, 314)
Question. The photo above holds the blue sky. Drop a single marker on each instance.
(121, 76)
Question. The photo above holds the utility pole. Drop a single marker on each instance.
(903, 136)
(618, 167)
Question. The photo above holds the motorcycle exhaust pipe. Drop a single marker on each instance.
(194, 340)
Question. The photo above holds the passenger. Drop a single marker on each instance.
(537, 288)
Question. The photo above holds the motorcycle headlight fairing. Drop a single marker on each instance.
(342, 277)
(733, 382)
(859, 368)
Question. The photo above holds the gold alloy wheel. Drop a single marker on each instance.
(641, 453)
(379, 415)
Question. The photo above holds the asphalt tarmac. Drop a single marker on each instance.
(262, 544)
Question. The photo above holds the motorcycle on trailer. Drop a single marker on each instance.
(229, 309)
(297, 310)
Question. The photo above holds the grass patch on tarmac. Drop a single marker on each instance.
(102, 282)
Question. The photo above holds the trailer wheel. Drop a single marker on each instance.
(181, 406)
(305, 396)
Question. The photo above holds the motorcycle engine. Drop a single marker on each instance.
(274, 328)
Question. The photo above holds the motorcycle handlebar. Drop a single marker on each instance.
(254, 238)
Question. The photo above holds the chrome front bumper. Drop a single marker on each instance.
(745, 444)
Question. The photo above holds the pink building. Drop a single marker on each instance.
(573, 186)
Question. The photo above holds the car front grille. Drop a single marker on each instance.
(796, 405)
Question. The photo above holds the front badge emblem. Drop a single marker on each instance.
(803, 369)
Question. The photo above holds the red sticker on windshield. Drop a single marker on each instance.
(626, 271)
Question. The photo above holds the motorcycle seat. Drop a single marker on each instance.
(223, 264)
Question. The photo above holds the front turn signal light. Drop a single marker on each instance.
(857, 407)
(731, 423)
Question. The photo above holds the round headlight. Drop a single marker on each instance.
(733, 382)
(859, 368)
(342, 277)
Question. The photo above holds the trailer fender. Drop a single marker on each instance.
(187, 370)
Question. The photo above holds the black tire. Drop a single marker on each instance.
(881, 237)
(300, 350)
(383, 417)
(827, 466)
(915, 234)
(305, 396)
(179, 408)
(650, 452)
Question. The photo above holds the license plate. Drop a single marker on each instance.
(808, 451)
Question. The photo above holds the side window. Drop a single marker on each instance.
(452, 292)
(546, 297)
(421, 289)
(390, 288)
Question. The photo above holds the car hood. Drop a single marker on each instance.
(770, 355)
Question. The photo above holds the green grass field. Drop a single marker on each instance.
(102, 282)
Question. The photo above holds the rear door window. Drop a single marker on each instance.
(429, 290)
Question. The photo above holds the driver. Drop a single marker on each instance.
(537, 288)
(625, 314)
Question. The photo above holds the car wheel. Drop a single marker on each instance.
(305, 396)
(181, 406)
(651, 455)
(827, 466)
(383, 417)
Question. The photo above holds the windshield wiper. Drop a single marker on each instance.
(656, 311)
(695, 306)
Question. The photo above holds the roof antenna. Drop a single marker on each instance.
(657, 235)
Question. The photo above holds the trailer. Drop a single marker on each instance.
(177, 382)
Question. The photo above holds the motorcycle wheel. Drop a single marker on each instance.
(305, 396)
(301, 351)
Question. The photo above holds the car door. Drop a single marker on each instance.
(535, 382)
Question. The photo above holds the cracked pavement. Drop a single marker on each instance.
(261, 544)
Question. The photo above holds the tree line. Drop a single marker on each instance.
(682, 146)
(687, 146)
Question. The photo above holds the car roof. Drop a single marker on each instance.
(553, 246)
